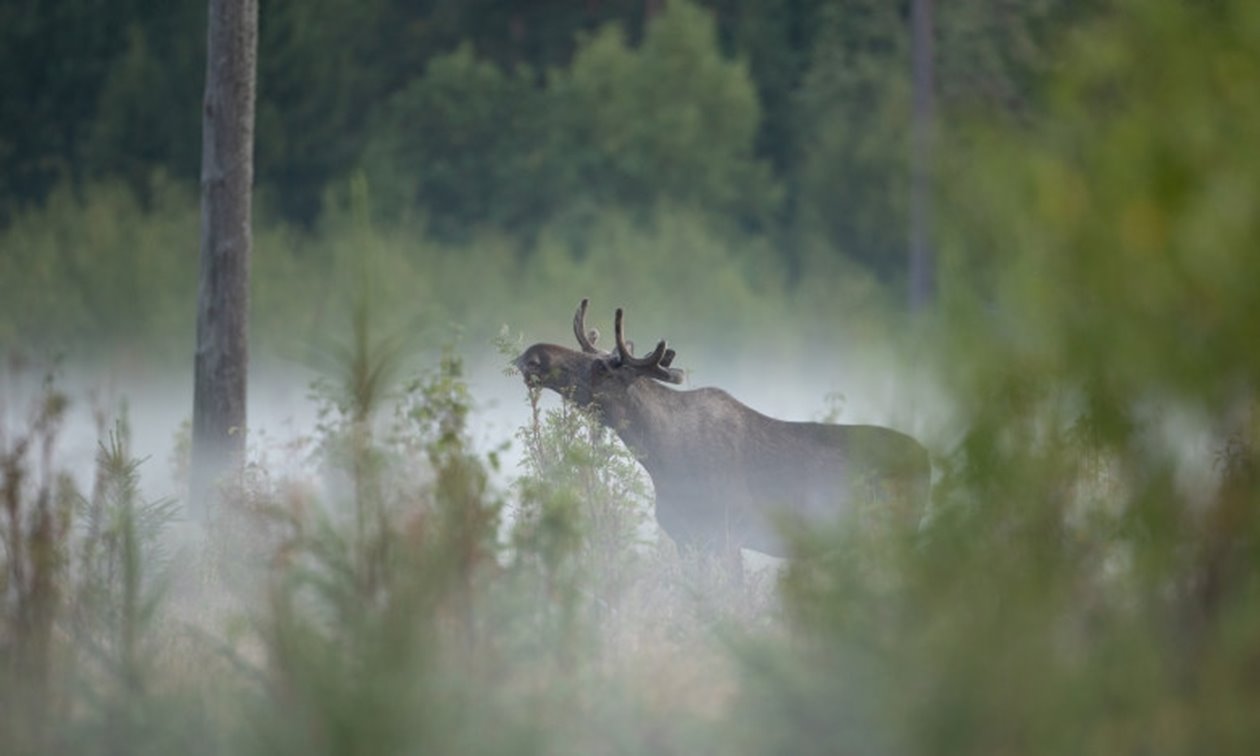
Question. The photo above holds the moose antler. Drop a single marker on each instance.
(656, 364)
(585, 338)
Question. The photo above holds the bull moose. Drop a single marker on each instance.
(724, 473)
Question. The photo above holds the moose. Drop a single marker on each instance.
(725, 475)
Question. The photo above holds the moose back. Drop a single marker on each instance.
(726, 475)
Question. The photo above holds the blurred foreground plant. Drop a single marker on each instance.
(38, 509)
(371, 627)
(1089, 580)
(80, 591)
(397, 615)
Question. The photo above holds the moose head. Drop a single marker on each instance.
(592, 378)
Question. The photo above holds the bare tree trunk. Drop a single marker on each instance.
(922, 258)
(227, 175)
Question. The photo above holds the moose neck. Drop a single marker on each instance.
(639, 416)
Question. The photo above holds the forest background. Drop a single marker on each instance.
(736, 167)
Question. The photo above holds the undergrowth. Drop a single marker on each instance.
(383, 596)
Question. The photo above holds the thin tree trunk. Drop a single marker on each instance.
(227, 174)
(922, 258)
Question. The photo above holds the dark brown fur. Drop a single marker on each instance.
(723, 472)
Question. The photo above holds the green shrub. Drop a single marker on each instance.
(85, 647)
(98, 269)
(466, 145)
(671, 121)
(1086, 581)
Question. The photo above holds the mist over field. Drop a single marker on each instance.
(848, 383)
(419, 553)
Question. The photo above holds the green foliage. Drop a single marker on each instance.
(1137, 195)
(467, 144)
(111, 284)
(786, 116)
(317, 83)
(100, 269)
(379, 606)
(776, 37)
(670, 121)
(395, 617)
(148, 116)
(1085, 582)
(373, 621)
(850, 169)
(81, 587)
(33, 582)
(53, 62)
(116, 614)
(853, 119)
(583, 505)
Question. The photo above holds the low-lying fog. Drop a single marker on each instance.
(863, 387)
(845, 384)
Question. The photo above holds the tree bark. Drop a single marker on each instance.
(922, 258)
(227, 174)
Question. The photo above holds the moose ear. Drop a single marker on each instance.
(675, 375)
(600, 368)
